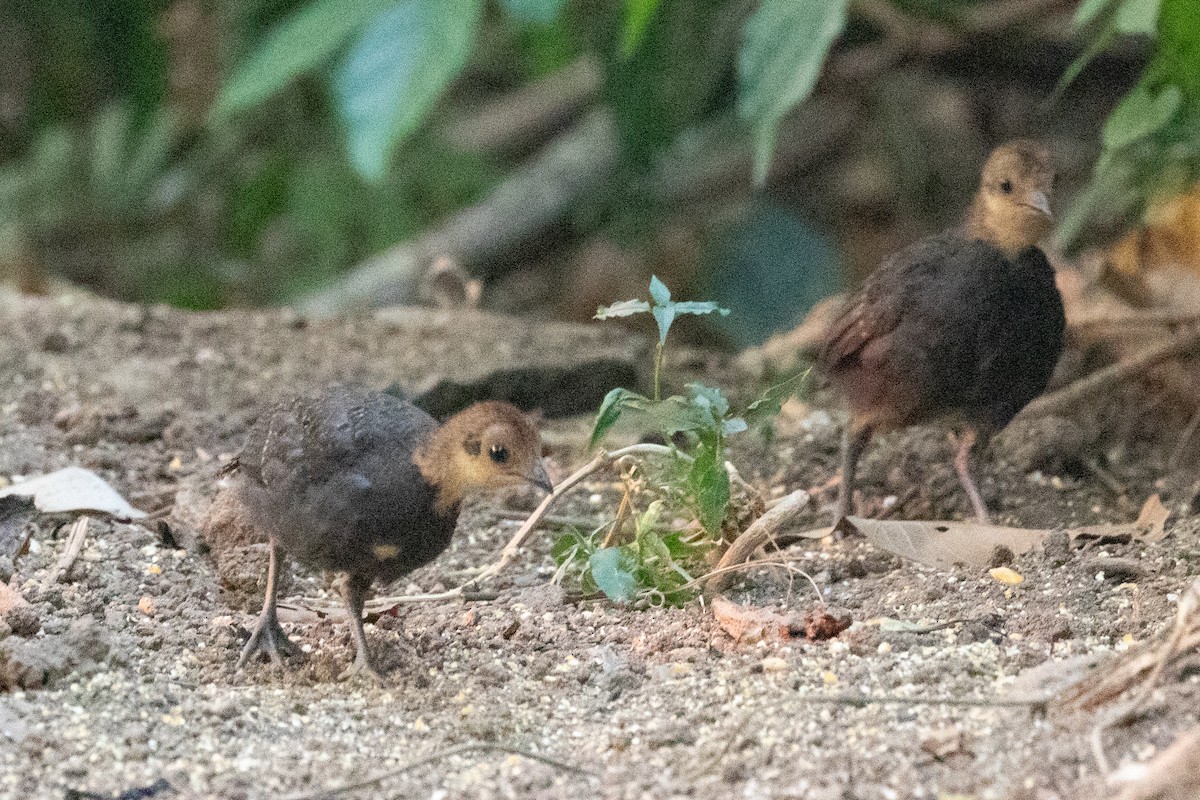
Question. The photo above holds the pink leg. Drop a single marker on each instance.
(962, 465)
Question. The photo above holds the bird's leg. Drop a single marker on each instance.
(356, 596)
(268, 638)
(962, 465)
(854, 439)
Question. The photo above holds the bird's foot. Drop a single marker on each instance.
(362, 668)
(268, 639)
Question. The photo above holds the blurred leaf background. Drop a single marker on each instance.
(209, 153)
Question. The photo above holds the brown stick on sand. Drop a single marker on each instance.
(761, 531)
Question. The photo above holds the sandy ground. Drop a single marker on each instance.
(128, 664)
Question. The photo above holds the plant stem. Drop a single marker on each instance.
(658, 357)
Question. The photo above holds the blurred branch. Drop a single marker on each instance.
(514, 120)
(535, 196)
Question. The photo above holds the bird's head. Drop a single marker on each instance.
(488, 445)
(1012, 209)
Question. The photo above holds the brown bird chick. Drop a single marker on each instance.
(364, 483)
(966, 324)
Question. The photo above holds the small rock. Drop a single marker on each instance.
(1058, 547)
(1049, 444)
(1118, 570)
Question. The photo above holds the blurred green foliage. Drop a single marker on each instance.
(220, 152)
(1151, 142)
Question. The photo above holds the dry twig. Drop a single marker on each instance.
(434, 757)
(1085, 388)
(761, 531)
(75, 540)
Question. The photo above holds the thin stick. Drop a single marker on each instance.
(438, 756)
(75, 542)
(759, 533)
(1185, 439)
(1084, 388)
(761, 562)
(862, 701)
(1149, 318)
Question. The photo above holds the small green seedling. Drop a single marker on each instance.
(664, 310)
(658, 563)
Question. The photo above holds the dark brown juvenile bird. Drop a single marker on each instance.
(363, 483)
(968, 323)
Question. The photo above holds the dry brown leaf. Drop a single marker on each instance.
(747, 624)
(1115, 533)
(1170, 238)
(945, 544)
(1152, 521)
(1172, 775)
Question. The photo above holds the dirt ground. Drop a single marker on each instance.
(137, 646)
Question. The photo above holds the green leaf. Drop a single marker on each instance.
(709, 399)
(767, 406)
(1139, 17)
(709, 485)
(541, 12)
(733, 425)
(700, 307)
(665, 310)
(1088, 11)
(625, 308)
(1095, 47)
(305, 40)
(395, 72)
(1140, 114)
(783, 47)
(638, 14)
(614, 569)
(614, 403)
(659, 292)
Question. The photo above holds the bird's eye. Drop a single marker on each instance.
(1006, 187)
(498, 453)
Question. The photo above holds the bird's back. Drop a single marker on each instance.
(331, 477)
(948, 325)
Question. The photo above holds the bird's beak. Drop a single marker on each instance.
(1038, 201)
(539, 478)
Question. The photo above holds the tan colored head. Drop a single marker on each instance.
(486, 446)
(1012, 208)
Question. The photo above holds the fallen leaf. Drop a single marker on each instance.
(1108, 533)
(747, 624)
(74, 489)
(945, 544)
(1009, 577)
(1152, 521)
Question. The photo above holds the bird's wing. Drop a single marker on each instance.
(316, 437)
(877, 308)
